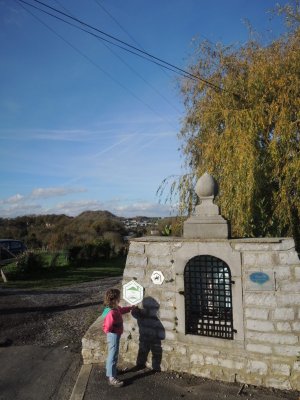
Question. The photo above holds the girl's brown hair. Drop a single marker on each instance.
(111, 297)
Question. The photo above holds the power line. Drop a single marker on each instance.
(132, 69)
(96, 65)
(128, 65)
(103, 39)
(118, 23)
(98, 2)
(186, 73)
(141, 77)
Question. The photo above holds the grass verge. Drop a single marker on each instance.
(63, 275)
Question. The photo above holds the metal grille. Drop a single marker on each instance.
(208, 297)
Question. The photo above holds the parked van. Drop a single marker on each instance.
(14, 247)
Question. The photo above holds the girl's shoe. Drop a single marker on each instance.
(115, 382)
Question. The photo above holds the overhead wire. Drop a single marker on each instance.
(134, 50)
(164, 71)
(128, 65)
(141, 77)
(175, 70)
(100, 4)
(131, 68)
(62, 6)
(118, 23)
(96, 65)
(99, 37)
(102, 70)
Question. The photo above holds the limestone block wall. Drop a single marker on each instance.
(266, 348)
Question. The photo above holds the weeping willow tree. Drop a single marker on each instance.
(244, 130)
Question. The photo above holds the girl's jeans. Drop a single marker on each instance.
(113, 343)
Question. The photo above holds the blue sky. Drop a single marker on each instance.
(85, 127)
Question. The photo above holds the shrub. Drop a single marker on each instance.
(90, 251)
(30, 262)
(167, 230)
(103, 247)
(73, 253)
(54, 259)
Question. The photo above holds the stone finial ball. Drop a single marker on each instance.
(206, 186)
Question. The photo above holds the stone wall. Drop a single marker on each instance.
(266, 347)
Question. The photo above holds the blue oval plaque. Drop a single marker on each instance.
(259, 277)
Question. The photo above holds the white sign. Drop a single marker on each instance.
(133, 292)
(157, 277)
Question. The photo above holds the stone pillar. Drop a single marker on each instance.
(206, 223)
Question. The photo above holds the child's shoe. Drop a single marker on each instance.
(115, 382)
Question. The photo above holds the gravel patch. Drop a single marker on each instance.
(51, 317)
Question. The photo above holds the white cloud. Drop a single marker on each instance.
(78, 135)
(17, 210)
(54, 192)
(13, 199)
(59, 135)
(74, 208)
(34, 203)
(142, 208)
(62, 134)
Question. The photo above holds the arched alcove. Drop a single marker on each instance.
(221, 255)
(208, 297)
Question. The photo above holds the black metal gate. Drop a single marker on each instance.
(208, 297)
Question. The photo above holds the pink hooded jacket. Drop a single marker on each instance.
(113, 320)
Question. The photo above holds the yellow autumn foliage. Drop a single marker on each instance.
(246, 134)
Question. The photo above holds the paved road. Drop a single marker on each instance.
(40, 338)
(49, 373)
(37, 373)
(146, 385)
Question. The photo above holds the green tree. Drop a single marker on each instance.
(244, 129)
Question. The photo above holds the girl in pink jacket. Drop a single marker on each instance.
(113, 327)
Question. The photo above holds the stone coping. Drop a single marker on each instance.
(233, 240)
(94, 343)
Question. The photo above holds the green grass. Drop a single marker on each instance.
(62, 274)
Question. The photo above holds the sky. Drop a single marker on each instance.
(87, 126)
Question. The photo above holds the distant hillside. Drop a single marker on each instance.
(57, 232)
(61, 231)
